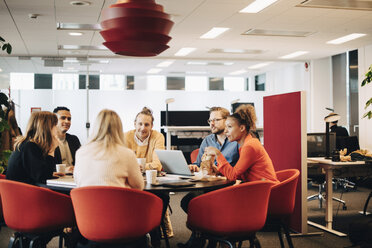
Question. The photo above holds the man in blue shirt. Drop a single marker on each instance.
(230, 150)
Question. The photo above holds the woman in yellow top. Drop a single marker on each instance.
(143, 140)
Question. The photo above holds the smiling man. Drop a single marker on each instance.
(65, 152)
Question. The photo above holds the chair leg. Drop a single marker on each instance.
(288, 236)
(60, 243)
(280, 235)
(256, 242)
(11, 241)
(240, 244)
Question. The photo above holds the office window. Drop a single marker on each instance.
(22, 81)
(93, 82)
(216, 83)
(196, 83)
(112, 82)
(175, 83)
(130, 82)
(259, 82)
(43, 81)
(247, 84)
(156, 83)
(234, 84)
(63, 81)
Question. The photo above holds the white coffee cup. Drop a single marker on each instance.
(151, 176)
(142, 163)
(61, 168)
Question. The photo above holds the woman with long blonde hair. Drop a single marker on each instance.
(105, 160)
(32, 160)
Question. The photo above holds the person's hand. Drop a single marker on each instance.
(58, 174)
(213, 151)
(70, 169)
(193, 168)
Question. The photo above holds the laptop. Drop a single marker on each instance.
(174, 162)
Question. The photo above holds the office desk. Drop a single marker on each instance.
(336, 169)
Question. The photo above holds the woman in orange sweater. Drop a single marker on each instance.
(254, 163)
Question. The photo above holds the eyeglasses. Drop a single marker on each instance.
(214, 120)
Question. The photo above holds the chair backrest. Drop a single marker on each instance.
(33, 209)
(283, 195)
(194, 155)
(113, 214)
(233, 211)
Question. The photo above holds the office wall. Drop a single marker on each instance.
(129, 103)
(320, 93)
(365, 93)
(340, 102)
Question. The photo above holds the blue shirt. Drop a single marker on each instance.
(230, 150)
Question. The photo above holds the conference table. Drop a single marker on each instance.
(336, 169)
(66, 183)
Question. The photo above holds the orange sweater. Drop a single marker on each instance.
(254, 163)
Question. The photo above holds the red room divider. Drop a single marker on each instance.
(285, 142)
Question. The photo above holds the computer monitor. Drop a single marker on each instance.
(316, 144)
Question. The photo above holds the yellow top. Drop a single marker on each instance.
(156, 141)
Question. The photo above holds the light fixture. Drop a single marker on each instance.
(260, 65)
(257, 6)
(1, 70)
(239, 72)
(294, 55)
(154, 70)
(196, 72)
(75, 33)
(185, 51)
(80, 3)
(196, 63)
(213, 33)
(165, 63)
(346, 38)
(136, 28)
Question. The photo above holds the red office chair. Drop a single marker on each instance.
(282, 201)
(231, 214)
(116, 215)
(36, 214)
(2, 176)
(194, 155)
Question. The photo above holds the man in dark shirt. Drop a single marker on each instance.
(65, 152)
(340, 131)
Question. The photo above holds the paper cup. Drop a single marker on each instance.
(151, 176)
(61, 168)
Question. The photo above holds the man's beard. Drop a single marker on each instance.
(219, 131)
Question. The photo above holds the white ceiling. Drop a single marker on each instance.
(40, 38)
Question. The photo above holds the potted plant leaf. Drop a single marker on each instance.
(366, 81)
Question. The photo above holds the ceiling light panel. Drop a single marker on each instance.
(287, 33)
(154, 70)
(236, 51)
(78, 26)
(345, 38)
(336, 4)
(239, 72)
(294, 55)
(185, 51)
(260, 65)
(75, 33)
(165, 63)
(213, 33)
(257, 6)
(76, 47)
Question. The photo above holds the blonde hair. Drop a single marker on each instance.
(145, 111)
(246, 115)
(224, 112)
(39, 130)
(108, 129)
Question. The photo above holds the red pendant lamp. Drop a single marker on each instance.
(136, 28)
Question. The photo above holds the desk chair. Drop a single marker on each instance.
(194, 155)
(282, 201)
(231, 214)
(320, 180)
(113, 215)
(36, 214)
